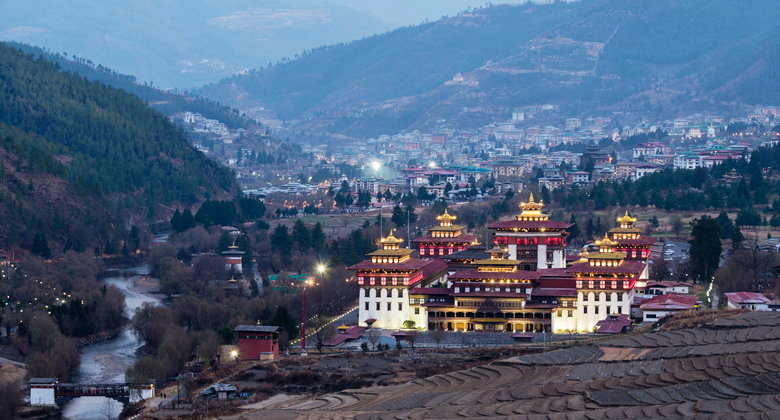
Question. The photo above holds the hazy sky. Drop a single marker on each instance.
(406, 12)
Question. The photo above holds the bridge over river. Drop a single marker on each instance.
(48, 391)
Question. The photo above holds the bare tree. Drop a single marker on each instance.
(300, 261)
(373, 336)
(661, 269)
(756, 263)
(411, 337)
(677, 225)
(323, 334)
(437, 335)
(109, 410)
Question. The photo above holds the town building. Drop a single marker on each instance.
(258, 342)
(661, 306)
(385, 280)
(532, 239)
(747, 300)
(233, 259)
(444, 239)
(605, 282)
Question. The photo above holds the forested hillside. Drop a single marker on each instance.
(76, 152)
(165, 102)
(600, 55)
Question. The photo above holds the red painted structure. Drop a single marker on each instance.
(256, 339)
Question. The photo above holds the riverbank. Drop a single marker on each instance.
(146, 286)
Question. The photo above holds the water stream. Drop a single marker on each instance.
(106, 362)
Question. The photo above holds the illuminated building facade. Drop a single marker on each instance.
(444, 239)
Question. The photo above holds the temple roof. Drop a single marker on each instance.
(457, 239)
(524, 224)
(627, 267)
(626, 218)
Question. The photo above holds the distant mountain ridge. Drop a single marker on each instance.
(593, 55)
(165, 102)
(183, 43)
(80, 160)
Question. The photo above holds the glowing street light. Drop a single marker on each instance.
(432, 164)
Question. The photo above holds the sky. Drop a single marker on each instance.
(408, 12)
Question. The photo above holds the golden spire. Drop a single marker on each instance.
(531, 198)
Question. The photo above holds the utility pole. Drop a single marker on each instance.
(408, 235)
(303, 330)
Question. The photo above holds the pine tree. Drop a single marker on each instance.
(281, 241)
(225, 241)
(187, 220)
(40, 245)
(318, 240)
(283, 319)
(399, 218)
(176, 221)
(245, 244)
(301, 235)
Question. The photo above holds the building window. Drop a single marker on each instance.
(389, 306)
(596, 311)
(620, 309)
(417, 311)
(560, 313)
(378, 308)
(570, 313)
(620, 297)
(400, 306)
(584, 309)
(366, 305)
(598, 297)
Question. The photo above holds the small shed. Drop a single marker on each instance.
(258, 342)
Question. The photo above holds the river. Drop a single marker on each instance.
(106, 362)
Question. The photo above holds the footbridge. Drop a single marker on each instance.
(48, 391)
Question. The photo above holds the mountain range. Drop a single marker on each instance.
(183, 43)
(597, 56)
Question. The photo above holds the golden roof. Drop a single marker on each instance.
(532, 211)
(606, 242)
(342, 327)
(446, 216)
(615, 255)
(390, 239)
(626, 218)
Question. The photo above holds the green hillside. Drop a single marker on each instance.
(76, 152)
(165, 102)
(592, 54)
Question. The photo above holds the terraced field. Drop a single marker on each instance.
(730, 369)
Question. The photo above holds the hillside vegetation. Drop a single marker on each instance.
(659, 56)
(76, 152)
(165, 102)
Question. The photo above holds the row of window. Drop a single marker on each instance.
(492, 304)
(491, 289)
(596, 310)
(441, 251)
(503, 240)
(597, 297)
(389, 306)
(602, 284)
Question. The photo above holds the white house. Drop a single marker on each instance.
(664, 305)
(747, 300)
(687, 161)
(664, 287)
